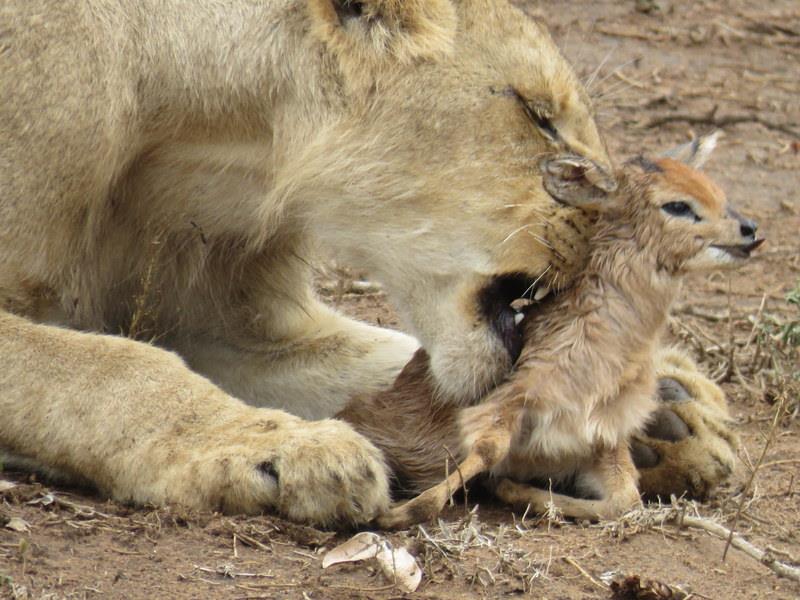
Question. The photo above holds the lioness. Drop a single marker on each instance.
(168, 170)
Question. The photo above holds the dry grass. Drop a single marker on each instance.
(759, 350)
(144, 303)
(441, 550)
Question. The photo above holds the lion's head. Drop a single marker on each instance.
(422, 166)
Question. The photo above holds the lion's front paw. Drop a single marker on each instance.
(328, 473)
(319, 472)
(687, 447)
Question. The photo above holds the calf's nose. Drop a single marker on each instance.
(748, 228)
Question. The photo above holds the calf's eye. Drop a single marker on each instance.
(679, 209)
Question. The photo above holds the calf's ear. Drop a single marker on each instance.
(697, 152)
(577, 181)
(363, 32)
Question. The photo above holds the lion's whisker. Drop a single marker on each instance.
(535, 281)
(541, 240)
(513, 233)
(591, 79)
(616, 69)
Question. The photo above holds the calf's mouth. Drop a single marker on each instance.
(740, 251)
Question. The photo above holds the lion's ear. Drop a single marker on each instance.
(577, 181)
(361, 32)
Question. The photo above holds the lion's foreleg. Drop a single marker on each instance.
(312, 370)
(132, 419)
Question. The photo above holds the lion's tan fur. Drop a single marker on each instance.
(197, 157)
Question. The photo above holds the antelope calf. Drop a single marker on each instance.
(585, 382)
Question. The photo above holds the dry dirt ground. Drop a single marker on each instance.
(660, 71)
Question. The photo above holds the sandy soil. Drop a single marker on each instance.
(658, 77)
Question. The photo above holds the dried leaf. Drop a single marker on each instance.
(17, 524)
(397, 564)
(400, 567)
(361, 546)
(44, 500)
(6, 485)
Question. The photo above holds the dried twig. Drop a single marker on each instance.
(784, 553)
(775, 463)
(729, 371)
(361, 589)
(251, 541)
(713, 120)
(463, 482)
(585, 573)
(228, 572)
(693, 311)
(756, 322)
(631, 82)
(79, 509)
(636, 34)
(740, 543)
(685, 514)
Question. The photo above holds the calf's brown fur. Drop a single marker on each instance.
(585, 380)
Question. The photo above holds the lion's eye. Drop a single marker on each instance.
(544, 124)
(542, 121)
(538, 116)
(680, 209)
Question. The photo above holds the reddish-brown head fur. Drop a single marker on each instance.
(684, 179)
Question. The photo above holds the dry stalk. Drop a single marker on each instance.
(788, 555)
(596, 582)
(767, 444)
(631, 82)
(786, 461)
(731, 354)
(756, 323)
(142, 307)
(461, 477)
(228, 572)
(636, 34)
(693, 311)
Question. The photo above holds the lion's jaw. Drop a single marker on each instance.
(470, 332)
(434, 187)
(453, 255)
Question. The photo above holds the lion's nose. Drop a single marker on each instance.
(748, 228)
